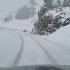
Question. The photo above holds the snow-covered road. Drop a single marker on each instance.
(18, 48)
(33, 53)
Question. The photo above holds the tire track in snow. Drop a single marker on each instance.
(17, 59)
(19, 55)
(50, 57)
(46, 51)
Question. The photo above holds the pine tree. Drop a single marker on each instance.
(32, 3)
(32, 6)
(59, 3)
(48, 3)
(66, 3)
(24, 13)
(40, 25)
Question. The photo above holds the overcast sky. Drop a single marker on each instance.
(7, 6)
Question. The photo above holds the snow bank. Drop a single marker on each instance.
(56, 45)
(61, 36)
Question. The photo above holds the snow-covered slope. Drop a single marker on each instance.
(61, 41)
(56, 46)
(62, 37)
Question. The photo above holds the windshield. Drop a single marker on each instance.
(34, 34)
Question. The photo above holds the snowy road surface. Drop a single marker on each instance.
(18, 49)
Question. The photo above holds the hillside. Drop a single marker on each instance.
(50, 20)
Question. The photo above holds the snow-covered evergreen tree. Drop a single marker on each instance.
(32, 3)
(59, 3)
(49, 3)
(32, 6)
(66, 3)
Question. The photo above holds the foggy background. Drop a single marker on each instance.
(8, 6)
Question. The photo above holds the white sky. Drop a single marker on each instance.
(7, 6)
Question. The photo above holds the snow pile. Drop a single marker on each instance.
(61, 36)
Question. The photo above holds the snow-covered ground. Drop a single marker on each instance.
(18, 48)
(19, 24)
(58, 45)
(24, 25)
(10, 43)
